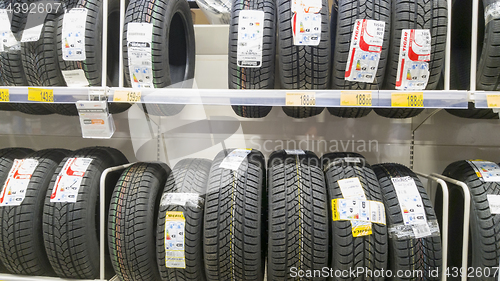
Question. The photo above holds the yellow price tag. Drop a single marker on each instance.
(413, 99)
(127, 96)
(40, 95)
(301, 99)
(358, 98)
(174, 216)
(493, 101)
(4, 95)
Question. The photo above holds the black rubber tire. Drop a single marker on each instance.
(302, 67)
(132, 221)
(188, 176)
(15, 153)
(92, 66)
(410, 254)
(11, 69)
(484, 227)
(70, 230)
(416, 14)
(248, 77)
(344, 17)
(172, 48)
(348, 252)
(22, 249)
(234, 226)
(298, 215)
(488, 69)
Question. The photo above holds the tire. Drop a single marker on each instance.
(416, 14)
(249, 77)
(302, 67)
(298, 215)
(346, 14)
(173, 46)
(484, 226)
(92, 66)
(70, 230)
(408, 254)
(21, 238)
(11, 68)
(371, 251)
(188, 176)
(234, 227)
(132, 221)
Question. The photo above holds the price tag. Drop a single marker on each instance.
(493, 101)
(301, 99)
(361, 98)
(415, 99)
(127, 96)
(4, 95)
(41, 95)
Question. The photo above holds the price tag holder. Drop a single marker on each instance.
(4, 95)
(359, 98)
(95, 120)
(127, 96)
(301, 99)
(40, 95)
(493, 101)
(412, 99)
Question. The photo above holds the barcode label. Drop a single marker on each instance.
(421, 230)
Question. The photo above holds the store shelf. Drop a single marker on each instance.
(481, 99)
(324, 98)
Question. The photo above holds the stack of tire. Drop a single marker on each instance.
(49, 210)
(309, 67)
(40, 63)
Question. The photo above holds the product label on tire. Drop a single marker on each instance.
(351, 188)
(73, 34)
(139, 39)
(182, 199)
(414, 54)
(364, 55)
(7, 38)
(306, 28)
(14, 189)
(35, 23)
(294, 152)
(75, 78)
(234, 159)
(250, 38)
(69, 180)
(494, 203)
(492, 12)
(410, 201)
(488, 171)
(175, 227)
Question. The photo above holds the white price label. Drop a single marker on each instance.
(294, 152)
(14, 189)
(410, 201)
(139, 32)
(414, 54)
(73, 35)
(7, 38)
(377, 212)
(234, 159)
(69, 180)
(494, 203)
(488, 171)
(364, 54)
(306, 29)
(181, 199)
(306, 6)
(352, 189)
(250, 38)
(35, 21)
(175, 228)
(421, 230)
(75, 78)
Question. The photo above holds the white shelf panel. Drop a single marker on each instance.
(480, 99)
(61, 94)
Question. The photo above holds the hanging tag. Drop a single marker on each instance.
(95, 120)
(175, 225)
(410, 201)
(234, 159)
(139, 38)
(414, 53)
(364, 54)
(34, 26)
(73, 35)
(14, 189)
(75, 78)
(250, 38)
(69, 180)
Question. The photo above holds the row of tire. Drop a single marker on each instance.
(238, 219)
(40, 63)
